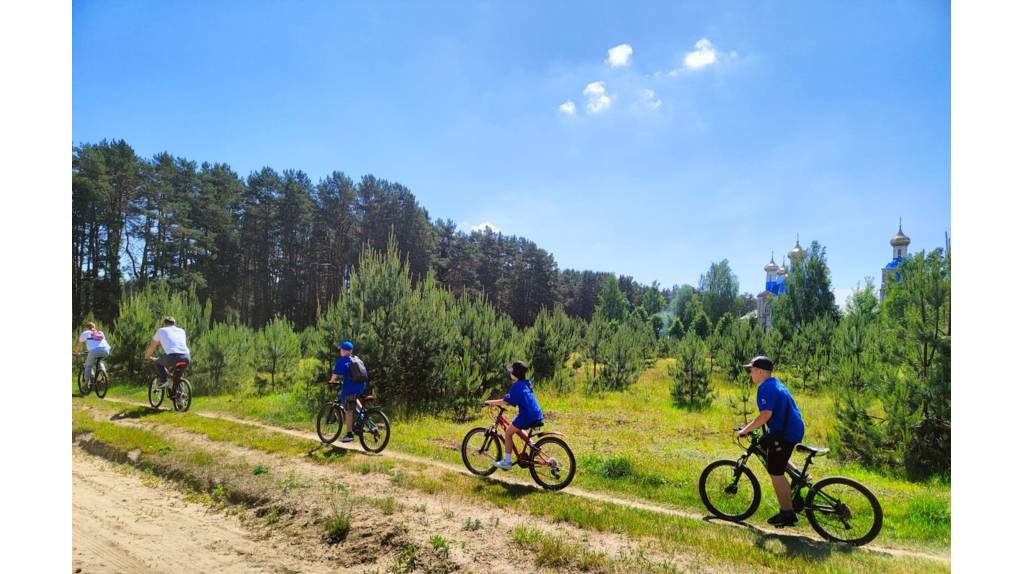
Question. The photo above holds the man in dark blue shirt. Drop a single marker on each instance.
(519, 395)
(350, 390)
(785, 430)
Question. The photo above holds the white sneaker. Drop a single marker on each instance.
(164, 385)
(503, 465)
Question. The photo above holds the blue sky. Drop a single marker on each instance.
(720, 130)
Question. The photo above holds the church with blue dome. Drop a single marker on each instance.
(899, 243)
(775, 279)
(775, 284)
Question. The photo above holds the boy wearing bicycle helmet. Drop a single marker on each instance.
(785, 430)
(520, 395)
(350, 391)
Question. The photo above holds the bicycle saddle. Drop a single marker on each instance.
(368, 398)
(536, 425)
(811, 449)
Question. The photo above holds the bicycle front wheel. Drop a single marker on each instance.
(182, 398)
(101, 384)
(330, 422)
(156, 393)
(375, 431)
(844, 510)
(729, 491)
(552, 463)
(480, 450)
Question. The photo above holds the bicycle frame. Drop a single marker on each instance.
(80, 358)
(358, 413)
(521, 458)
(799, 479)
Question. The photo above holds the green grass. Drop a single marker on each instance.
(724, 544)
(338, 524)
(637, 444)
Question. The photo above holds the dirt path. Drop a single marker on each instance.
(427, 515)
(599, 497)
(122, 524)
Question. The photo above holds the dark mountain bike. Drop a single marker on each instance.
(839, 509)
(99, 382)
(180, 391)
(370, 425)
(549, 459)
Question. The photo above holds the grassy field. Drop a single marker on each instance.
(731, 549)
(637, 444)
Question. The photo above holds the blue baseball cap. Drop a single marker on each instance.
(346, 345)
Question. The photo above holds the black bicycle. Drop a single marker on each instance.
(370, 425)
(99, 382)
(180, 388)
(839, 509)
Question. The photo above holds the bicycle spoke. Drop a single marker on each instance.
(844, 512)
(729, 491)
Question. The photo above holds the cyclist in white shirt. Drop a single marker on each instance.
(172, 339)
(97, 345)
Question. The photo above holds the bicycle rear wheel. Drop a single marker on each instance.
(156, 393)
(330, 422)
(182, 396)
(83, 388)
(844, 510)
(375, 431)
(552, 463)
(101, 383)
(480, 450)
(729, 491)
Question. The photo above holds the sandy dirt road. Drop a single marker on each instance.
(595, 496)
(125, 522)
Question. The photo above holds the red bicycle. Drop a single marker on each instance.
(549, 459)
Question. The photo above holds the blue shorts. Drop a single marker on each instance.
(521, 422)
(348, 389)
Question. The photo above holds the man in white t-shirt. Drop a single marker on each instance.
(172, 339)
(97, 345)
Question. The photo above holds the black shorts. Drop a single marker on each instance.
(778, 452)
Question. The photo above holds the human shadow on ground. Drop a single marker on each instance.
(135, 413)
(793, 544)
(508, 490)
(331, 452)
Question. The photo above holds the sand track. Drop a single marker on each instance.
(124, 522)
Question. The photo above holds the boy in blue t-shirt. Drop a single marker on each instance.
(785, 430)
(519, 395)
(350, 391)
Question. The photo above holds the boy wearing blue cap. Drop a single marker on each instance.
(519, 395)
(350, 390)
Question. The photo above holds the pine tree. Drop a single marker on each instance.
(691, 377)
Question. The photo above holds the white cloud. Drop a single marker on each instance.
(597, 100)
(568, 108)
(650, 100)
(619, 55)
(484, 225)
(704, 55)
